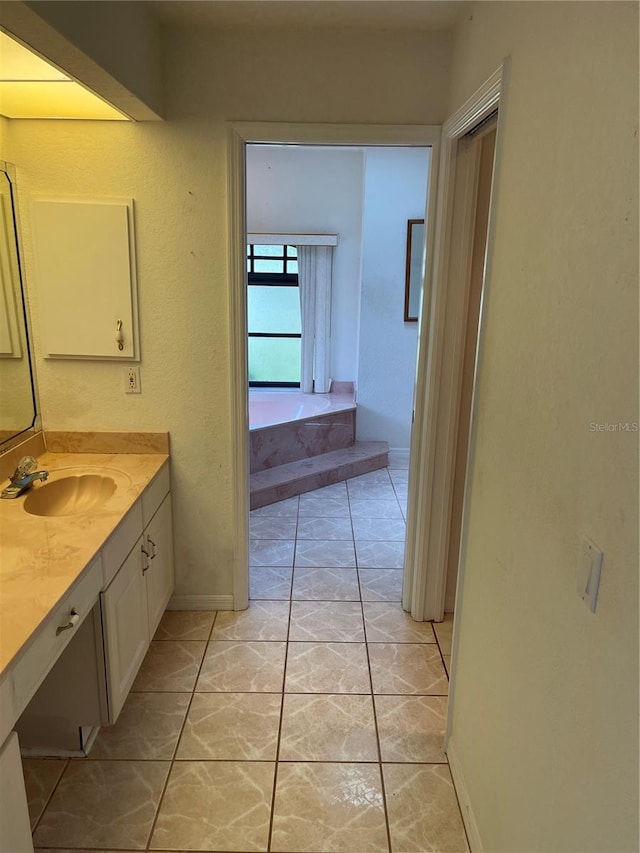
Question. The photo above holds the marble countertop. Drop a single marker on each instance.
(41, 557)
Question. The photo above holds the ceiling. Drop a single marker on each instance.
(309, 14)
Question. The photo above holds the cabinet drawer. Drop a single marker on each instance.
(155, 494)
(119, 545)
(31, 668)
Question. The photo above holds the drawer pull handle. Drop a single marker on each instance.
(74, 618)
(153, 545)
(145, 559)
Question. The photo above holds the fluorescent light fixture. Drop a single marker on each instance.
(30, 87)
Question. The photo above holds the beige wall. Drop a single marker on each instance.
(177, 173)
(313, 190)
(545, 724)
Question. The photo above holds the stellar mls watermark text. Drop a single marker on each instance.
(619, 426)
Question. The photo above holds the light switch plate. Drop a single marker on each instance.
(589, 573)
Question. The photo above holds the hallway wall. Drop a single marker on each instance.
(545, 721)
(395, 190)
(314, 190)
(177, 173)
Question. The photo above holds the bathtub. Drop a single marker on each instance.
(269, 408)
(287, 426)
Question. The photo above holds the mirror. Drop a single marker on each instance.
(413, 271)
(17, 393)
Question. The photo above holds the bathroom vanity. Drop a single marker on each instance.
(86, 571)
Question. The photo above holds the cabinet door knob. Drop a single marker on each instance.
(74, 618)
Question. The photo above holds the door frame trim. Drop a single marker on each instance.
(501, 98)
(239, 135)
(438, 379)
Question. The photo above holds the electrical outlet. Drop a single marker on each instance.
(132, 380)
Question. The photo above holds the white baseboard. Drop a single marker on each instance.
(473, 834)
(201, 602)
(398, 457)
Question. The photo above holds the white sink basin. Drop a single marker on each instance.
(70, 495)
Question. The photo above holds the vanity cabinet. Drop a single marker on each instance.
(74, 672)
(136, 598)
(67, 676)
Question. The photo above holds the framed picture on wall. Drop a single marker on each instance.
(413, 278)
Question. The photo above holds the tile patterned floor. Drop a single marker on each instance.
(313, 721)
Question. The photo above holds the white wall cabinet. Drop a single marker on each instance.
(85, 273)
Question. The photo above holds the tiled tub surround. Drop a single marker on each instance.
(313, 721)
(279, 406)
(301, 442)
(286, 426)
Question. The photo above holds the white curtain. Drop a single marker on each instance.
(314, 281)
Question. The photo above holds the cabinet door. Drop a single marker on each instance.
(158, 537)
(126, 628)
(85, 273)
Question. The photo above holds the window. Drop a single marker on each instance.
(273, 307)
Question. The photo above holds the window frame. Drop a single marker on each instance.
(272, 279)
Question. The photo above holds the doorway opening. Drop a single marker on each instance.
(327, 230)
(343, 141)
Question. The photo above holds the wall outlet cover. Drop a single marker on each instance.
(132, 380)
(589, 572)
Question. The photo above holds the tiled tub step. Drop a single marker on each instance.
(303, 438)
(295, 478)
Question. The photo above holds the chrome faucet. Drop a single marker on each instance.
(23, 477)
